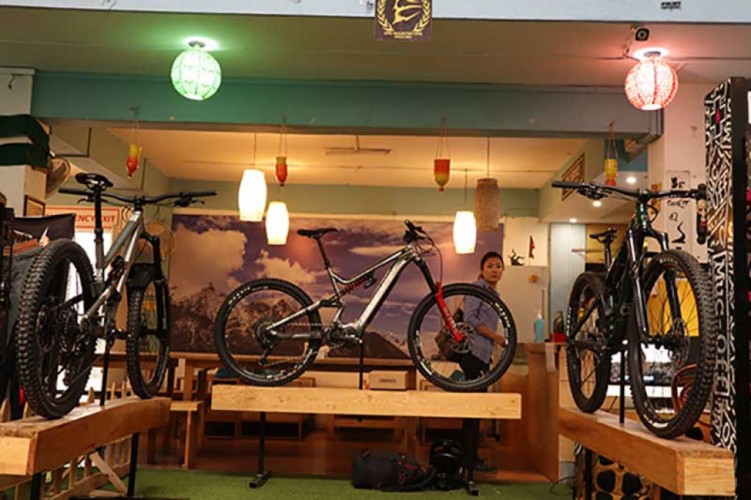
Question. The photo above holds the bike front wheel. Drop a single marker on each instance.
(483, 360)
(680, 338)
(54, 353)
(249, 348)
(147, 345)
(587, 354)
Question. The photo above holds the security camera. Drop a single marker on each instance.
(641, 34)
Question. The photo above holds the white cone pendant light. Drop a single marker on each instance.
(465, 232)
(251, 196)
(277, 223)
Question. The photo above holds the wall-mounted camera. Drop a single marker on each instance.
(641, 34)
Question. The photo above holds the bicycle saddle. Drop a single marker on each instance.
(94, 182)
(315, 233)
(606, 237)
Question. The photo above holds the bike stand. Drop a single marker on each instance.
(471, 445)
(263, 475)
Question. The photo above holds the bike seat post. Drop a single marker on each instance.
(326, 261)
(98, 229)
(608, 255)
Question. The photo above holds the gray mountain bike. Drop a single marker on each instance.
(269, 331)
(66, 306)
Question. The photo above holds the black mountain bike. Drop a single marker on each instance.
(269, 331)
(661, 301)
(6, 247)
(66, 306)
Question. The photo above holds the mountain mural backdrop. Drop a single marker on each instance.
(214, 254)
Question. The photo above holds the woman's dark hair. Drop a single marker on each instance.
(492, 255)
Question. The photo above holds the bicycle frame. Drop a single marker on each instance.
(124, 245)
(623, 278)
(398, 261)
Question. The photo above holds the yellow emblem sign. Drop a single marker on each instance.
(404, 19)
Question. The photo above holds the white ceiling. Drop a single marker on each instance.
(501, 52)
(222, 156)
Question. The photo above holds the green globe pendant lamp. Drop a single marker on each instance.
(196, 75)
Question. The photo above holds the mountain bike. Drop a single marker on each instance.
(269, 331)
(6, 256)
(66, 306)
(661, 302)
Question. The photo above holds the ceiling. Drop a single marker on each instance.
(500, 52)
(222, 156)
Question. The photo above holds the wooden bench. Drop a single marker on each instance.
(190, 442)
(333, 401)
(682, 466)
(31, 446)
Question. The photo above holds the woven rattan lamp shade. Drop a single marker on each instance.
(487, 204)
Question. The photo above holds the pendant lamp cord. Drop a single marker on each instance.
(465, 187)
(487, 158)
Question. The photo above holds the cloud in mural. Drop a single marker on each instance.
(207, 257)
(285, 269)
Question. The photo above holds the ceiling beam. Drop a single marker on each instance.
(388, 108)
(718, 11)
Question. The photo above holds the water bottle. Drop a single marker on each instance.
(539, 328)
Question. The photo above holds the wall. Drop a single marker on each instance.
(565, 265)
(594, 152)
(682, 148)
(15, 90)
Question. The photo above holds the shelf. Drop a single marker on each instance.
(35, 444)
(683, 466)
(323, 400)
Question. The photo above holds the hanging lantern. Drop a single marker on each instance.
(487, 199)
(442, 162)
(441, 171)
(465, 232)
(277, 223)
(251, 196)
(487, 204)
(610, 165)
(652, 83)
(281, 169)
(196, 75)
(134, 159)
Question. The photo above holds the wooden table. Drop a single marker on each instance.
(683, 466)
(199, 362)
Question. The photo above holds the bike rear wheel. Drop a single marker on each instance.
(680, 337)
(244, 343)
(54, 354)
(148, 342)
(464, 373)
(587, 355)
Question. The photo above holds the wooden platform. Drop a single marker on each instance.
(324, 400)
(683, 466)
(35, 444)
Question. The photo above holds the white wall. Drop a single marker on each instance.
(16, 99)
(516, 233)
(681, 148)
(565, 265)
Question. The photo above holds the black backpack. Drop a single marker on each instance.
(390, 471)
(446, 459)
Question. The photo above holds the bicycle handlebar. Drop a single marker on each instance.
(597, 191)
(184, 198)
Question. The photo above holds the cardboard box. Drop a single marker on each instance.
(387, 380)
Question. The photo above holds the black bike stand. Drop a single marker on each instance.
(263, 475)
(471, 445)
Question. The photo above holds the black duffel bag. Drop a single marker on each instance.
(390, 471)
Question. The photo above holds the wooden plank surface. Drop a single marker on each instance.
(683, 466)
(41, 444)
(210, 360)
(324, 400)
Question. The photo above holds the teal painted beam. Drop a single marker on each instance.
(717, 11)
(368, 200)
(326, 106)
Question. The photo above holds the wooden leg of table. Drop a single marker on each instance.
(170, 381)
(190, 440)
(188, 382)
(201, 428)
(330, 426)
(202, 385)
(151, 447)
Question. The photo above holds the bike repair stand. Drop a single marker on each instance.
(471, 445)
(263, 475)
(588, 486)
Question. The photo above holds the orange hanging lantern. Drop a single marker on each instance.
(442, 161)
(134, 149)
(281, 169)
(610, 167)
(134, 159)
